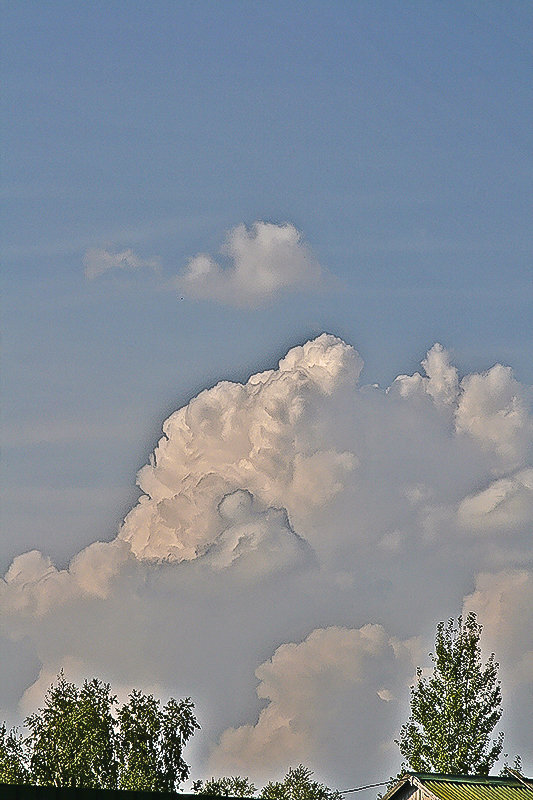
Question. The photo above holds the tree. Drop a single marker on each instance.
(13, 767)
(71, 739)
(151, 742)
(80, 738)
(454, 710)
(297, 785)
(234, 786)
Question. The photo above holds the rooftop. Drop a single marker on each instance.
(470, 787)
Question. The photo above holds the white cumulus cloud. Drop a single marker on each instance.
(311, 689)
(264, 261)
(503, 601)
(261, 436)
(494, 409)
(504, 504)
(33, 586)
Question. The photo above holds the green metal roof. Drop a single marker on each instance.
(486, 779)
(475, 787)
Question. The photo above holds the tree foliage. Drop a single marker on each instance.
(297, 785)
(455, 709)
(234, 786)
(12, 757)
(151, 741)
(81, 738)
(71, 739)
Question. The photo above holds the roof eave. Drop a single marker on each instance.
(401, 782)
(409, 778)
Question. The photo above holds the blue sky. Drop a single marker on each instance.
(395, 136)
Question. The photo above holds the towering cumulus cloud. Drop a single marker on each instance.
(296, 540)
(261, 436)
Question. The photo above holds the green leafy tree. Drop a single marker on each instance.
(517, 765)
(13, 767)
(151, 742)
(455, 709)
(234, 786)
(297, 785)
(81, 739)
(71, 739)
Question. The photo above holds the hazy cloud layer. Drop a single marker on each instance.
(98, 261)
(297, 538)
(264, 261)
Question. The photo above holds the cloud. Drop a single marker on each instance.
(255, 436)
(494, 409)
(503, 601)
(504, 504)
(265, 260)
(257, 541)
(441, 383)
(33, 586)
(312, 688)
(305, 531)
(98, 261)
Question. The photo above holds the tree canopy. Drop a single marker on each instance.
(296, 785)
(151, 741)
(81, 738)
(71, 739)
(233, 786)
(12, 760)
(455, 709)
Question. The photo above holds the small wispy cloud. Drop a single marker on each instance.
(265, 260)
(98, 261)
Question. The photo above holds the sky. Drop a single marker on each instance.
(297, 239)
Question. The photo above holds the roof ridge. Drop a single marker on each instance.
(454, 778)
